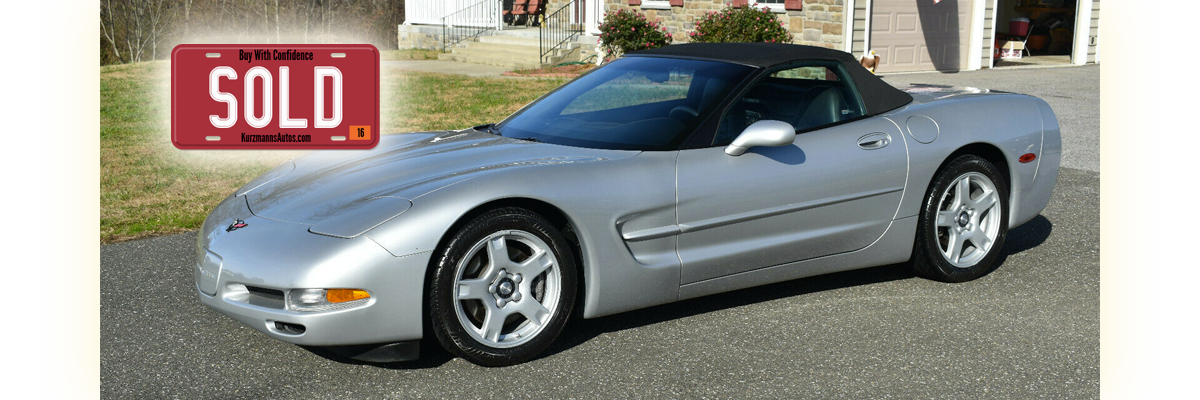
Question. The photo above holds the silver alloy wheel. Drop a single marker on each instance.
(968, 219)
(507, 288)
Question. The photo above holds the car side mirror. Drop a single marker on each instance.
(762, 133)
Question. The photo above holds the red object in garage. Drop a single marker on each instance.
(1018, 26)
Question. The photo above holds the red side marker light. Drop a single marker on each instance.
(1027, 158)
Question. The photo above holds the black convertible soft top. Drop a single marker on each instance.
(879, 96)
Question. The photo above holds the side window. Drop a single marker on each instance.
(808, 96)
(633, 89)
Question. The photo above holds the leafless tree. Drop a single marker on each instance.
(278, 39)
(132, 26)
(109, 23)
(187, 17)
(133, 30)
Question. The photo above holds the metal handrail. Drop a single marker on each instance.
(470, 22)
(557, 30)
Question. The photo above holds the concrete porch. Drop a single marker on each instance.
(518, 48)
(498, 43)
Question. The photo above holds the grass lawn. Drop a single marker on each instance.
(148, 187)
(569, 70)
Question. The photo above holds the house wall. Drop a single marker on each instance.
(1095, 33)
(818, 23)
(989, 41)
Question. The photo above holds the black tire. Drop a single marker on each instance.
(445, 319)
(928, 259)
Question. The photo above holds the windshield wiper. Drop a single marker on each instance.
(489, 128)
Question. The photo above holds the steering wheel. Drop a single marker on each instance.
(682, 113)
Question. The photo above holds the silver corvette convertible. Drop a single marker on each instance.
(665, 175)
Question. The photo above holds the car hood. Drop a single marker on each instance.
(367, 187)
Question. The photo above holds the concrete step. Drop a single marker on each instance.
(516, 49)
(531, 35)
(571, 55)
(479, 49)
(516, 40)
(518, 31)
(504, 38)
(588, 40)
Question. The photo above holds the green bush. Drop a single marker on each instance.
(626, 30)
(741, 24)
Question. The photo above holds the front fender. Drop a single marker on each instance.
(599, 199)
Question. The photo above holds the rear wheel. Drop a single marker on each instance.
(963, 221)
(503, 288)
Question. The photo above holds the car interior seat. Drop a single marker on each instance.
(824, 107)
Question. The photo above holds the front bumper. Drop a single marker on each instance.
(239, 273)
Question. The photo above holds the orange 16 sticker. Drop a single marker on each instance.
(360, 132)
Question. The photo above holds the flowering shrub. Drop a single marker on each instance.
(741, 24)
(626, 30)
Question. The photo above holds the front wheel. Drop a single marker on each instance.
(963, 221)
(503, 288)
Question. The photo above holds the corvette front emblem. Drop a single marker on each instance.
(237, 224)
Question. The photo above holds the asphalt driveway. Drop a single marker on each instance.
(1029, 329)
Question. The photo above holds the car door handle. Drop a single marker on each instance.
(874, 141)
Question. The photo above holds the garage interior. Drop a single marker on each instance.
(1034, 32)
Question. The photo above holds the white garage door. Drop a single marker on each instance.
(918, 35)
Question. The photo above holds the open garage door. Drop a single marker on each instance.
(919, 35)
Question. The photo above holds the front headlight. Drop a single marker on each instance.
(313, 300)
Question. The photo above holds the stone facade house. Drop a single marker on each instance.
(908, 35)
(811, 22)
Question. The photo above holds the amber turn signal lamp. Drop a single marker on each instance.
(1027, 158)
(344, 295)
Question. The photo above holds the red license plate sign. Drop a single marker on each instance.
(275, 97)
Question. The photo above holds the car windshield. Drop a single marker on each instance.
(634, 103)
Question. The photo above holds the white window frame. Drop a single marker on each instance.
(656, 4)
(777, 8)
